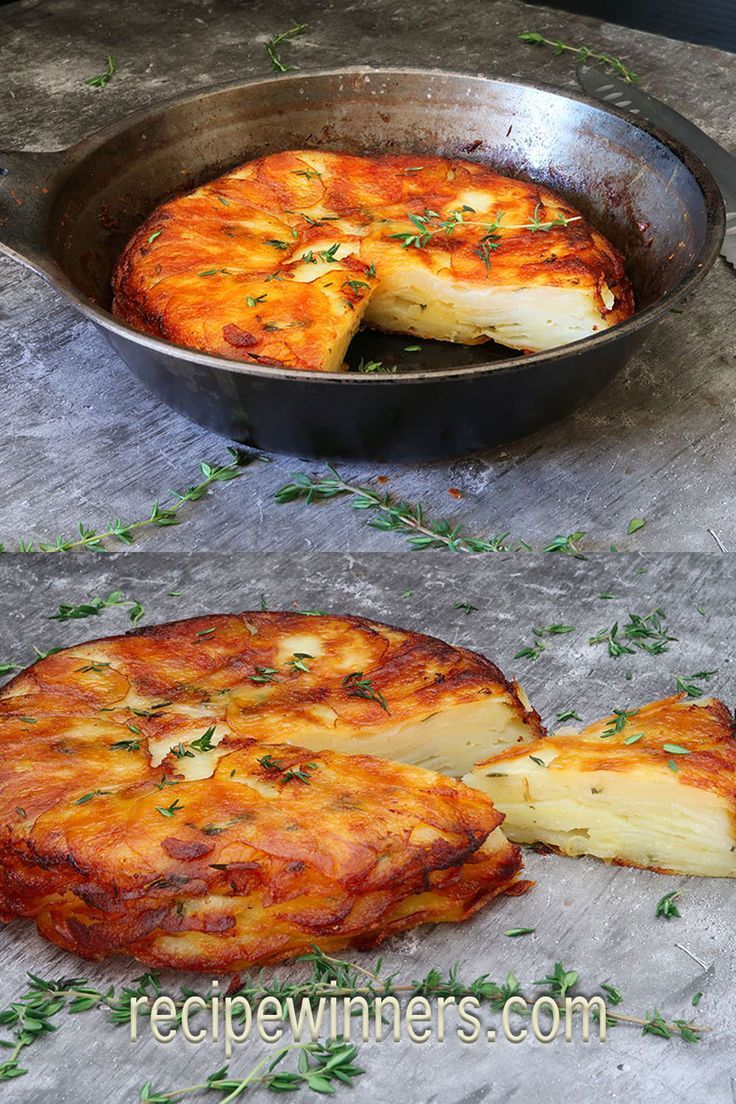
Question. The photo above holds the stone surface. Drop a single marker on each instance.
(596, 919)
(83, 440)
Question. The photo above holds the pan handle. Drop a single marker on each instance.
(28, 182)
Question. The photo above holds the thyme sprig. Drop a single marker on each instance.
(95, 606)
(277, 40)
(121, 532)
(533, 651)
(360, 687)
(583, 53)
(29, 1018)
(389, 515)
(688, 684)
(103, 79)
(321, 1067)
(409, 518)
(427, 225)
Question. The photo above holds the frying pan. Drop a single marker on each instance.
(67, 216)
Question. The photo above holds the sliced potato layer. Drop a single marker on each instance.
(653, 787)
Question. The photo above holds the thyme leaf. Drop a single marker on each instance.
(666, 906)
(687, 684)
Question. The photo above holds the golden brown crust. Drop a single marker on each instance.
(216, 659)
(222, 269)
(703, 727)
(249, 852)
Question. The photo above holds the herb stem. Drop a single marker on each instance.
(409, 518)
(159, 517)
(583, 53)
(398, 516)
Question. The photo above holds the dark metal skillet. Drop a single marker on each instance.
(67, 215)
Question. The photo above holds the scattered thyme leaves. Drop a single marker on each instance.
(619, 719)
(567, 715)
(646, 633)
(466, 607)
(533, 651)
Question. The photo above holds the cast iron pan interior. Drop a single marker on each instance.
(630, 185)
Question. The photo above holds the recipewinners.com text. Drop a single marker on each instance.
(231, 1020)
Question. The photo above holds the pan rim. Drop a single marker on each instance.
(75, 155)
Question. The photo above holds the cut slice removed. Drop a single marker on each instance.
(653, 787)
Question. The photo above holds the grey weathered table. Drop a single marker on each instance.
(83, 440)
(596, 919)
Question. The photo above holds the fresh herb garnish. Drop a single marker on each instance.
(264, 674)
(95, 606)
(123, 532)
(322, 1067)
(88, 796)
(620, 718)
(169, 810)
(371, 366)
(647, 634)
(687, 684)
(277, 40)
(389, 515)
(666, 906)
(533, 651)
(466, 607)
(29, 1018)
(360, 687)
(297, 661)
(559, 981)
(583, 53)
(103, 79)
(567, 715)
(568, 545)
(300, 774)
